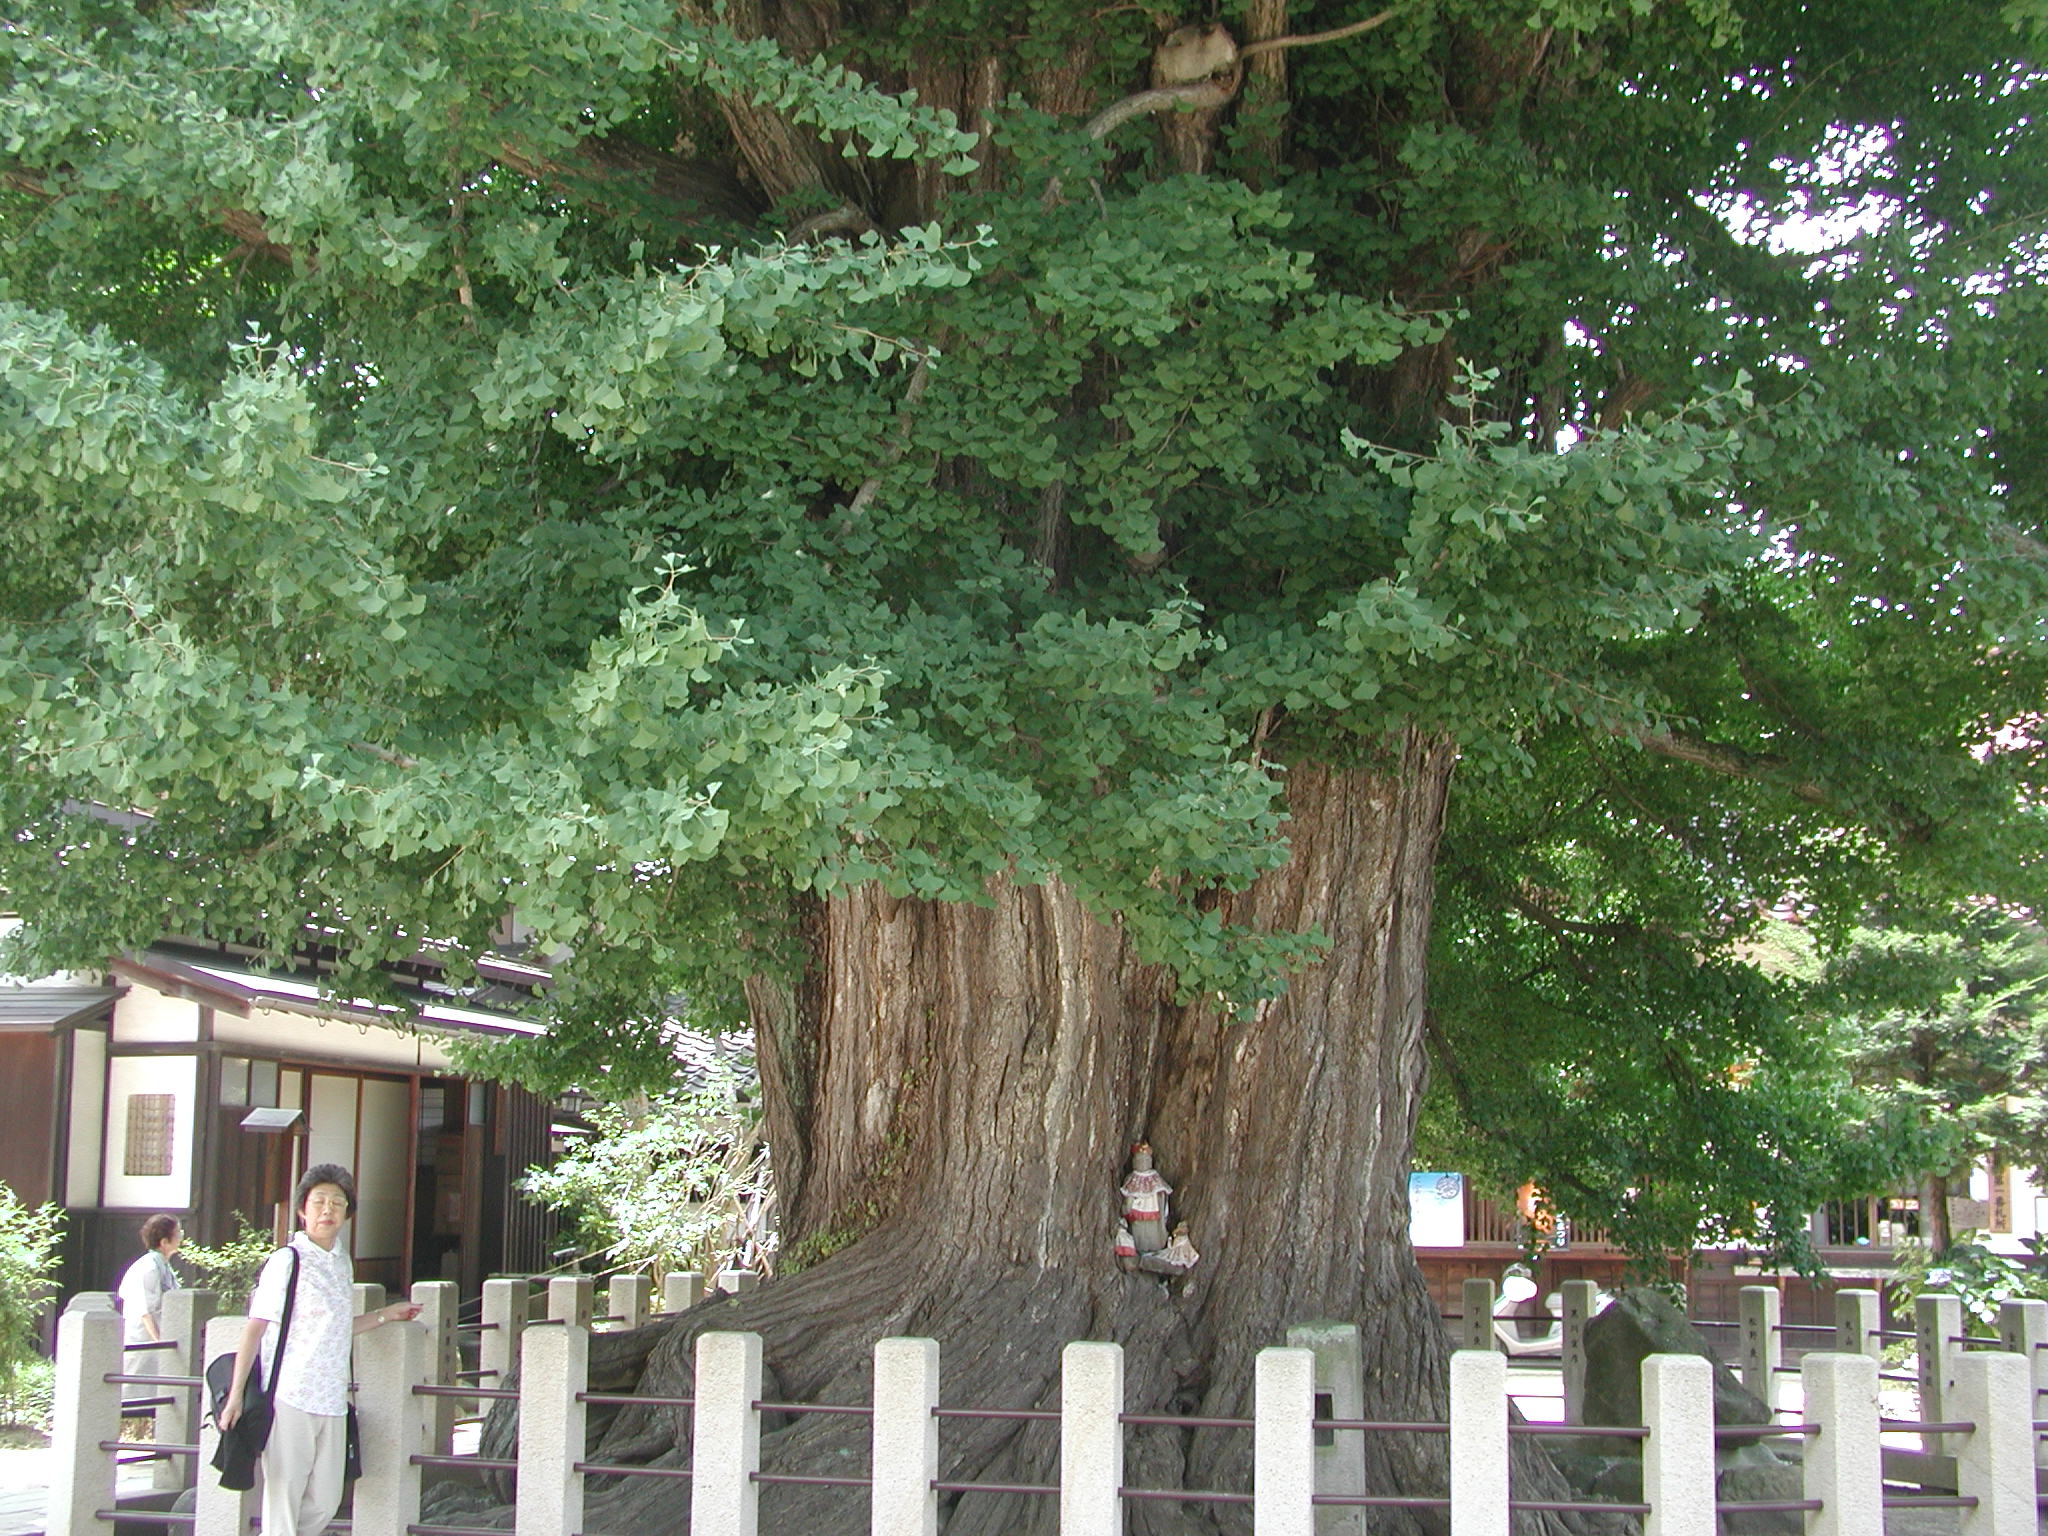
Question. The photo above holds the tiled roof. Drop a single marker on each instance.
(45, 1008)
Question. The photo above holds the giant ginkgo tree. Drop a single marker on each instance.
(980, 539)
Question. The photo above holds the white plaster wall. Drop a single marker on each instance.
(144, 1014)
(266, 1032)
(383, 1169)
(2028, 1201)
(177, 1076)
(88, 1118)
(331, 1121)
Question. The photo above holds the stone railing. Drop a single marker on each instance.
(1308, 1438)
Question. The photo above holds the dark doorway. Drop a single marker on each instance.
(438, 1203)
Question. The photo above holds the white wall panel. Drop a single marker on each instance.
(177, 1076)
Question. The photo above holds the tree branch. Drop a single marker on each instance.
(1730, 762)
(1306, 38)
(385, 754)
(899, 442)
(1194, 94)
(615, 176)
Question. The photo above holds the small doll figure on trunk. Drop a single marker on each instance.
(1145, 1193)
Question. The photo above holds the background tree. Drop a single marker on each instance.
(994, 585)
(1949, 1031)
(28, 1282)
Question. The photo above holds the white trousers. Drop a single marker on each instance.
(302, 1471)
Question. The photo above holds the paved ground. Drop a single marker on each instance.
(25, 1489)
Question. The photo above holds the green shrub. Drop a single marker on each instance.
(30, 1399)
(1971, 1272)
(28, 1281)
(229, 1269)
(677, 1182)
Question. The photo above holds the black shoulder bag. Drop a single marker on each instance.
(243, 1441)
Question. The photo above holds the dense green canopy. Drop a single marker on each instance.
(462, 459)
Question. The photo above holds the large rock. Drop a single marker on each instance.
(1746, 1474)
(1639, 1323)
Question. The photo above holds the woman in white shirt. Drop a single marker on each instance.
(145, 1281)
(302, 1460)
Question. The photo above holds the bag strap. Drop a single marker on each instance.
(284, 1327)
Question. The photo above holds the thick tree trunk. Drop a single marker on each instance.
(1934, 1225)
(952, 1096)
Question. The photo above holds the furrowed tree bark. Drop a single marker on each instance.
(952, 1092)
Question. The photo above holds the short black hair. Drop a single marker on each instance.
(158, 1228)
(325, 1173)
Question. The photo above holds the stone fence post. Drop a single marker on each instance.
(2023, 1331)
(439, 1301)
(1995, 1461)
(1937, 1324)
(1479, 1443)
(1857, 1328)
(1576, 1301)
(185, 1316)
(571, 1299)
(1340, 1394)
(1678, 1456)
(218, 1511)
(625, 1300)
(1763, 1349)
(1091, 1440)
(1844, 1467)
(88, 1410)
(504, 1318)
(390, 1361)
(725, 1452)
(1475, 1328)
(735, 1282)
(554, 1369)
(903, 1455)
(681, 1289)
(369, 1296)
(1283, 1443)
